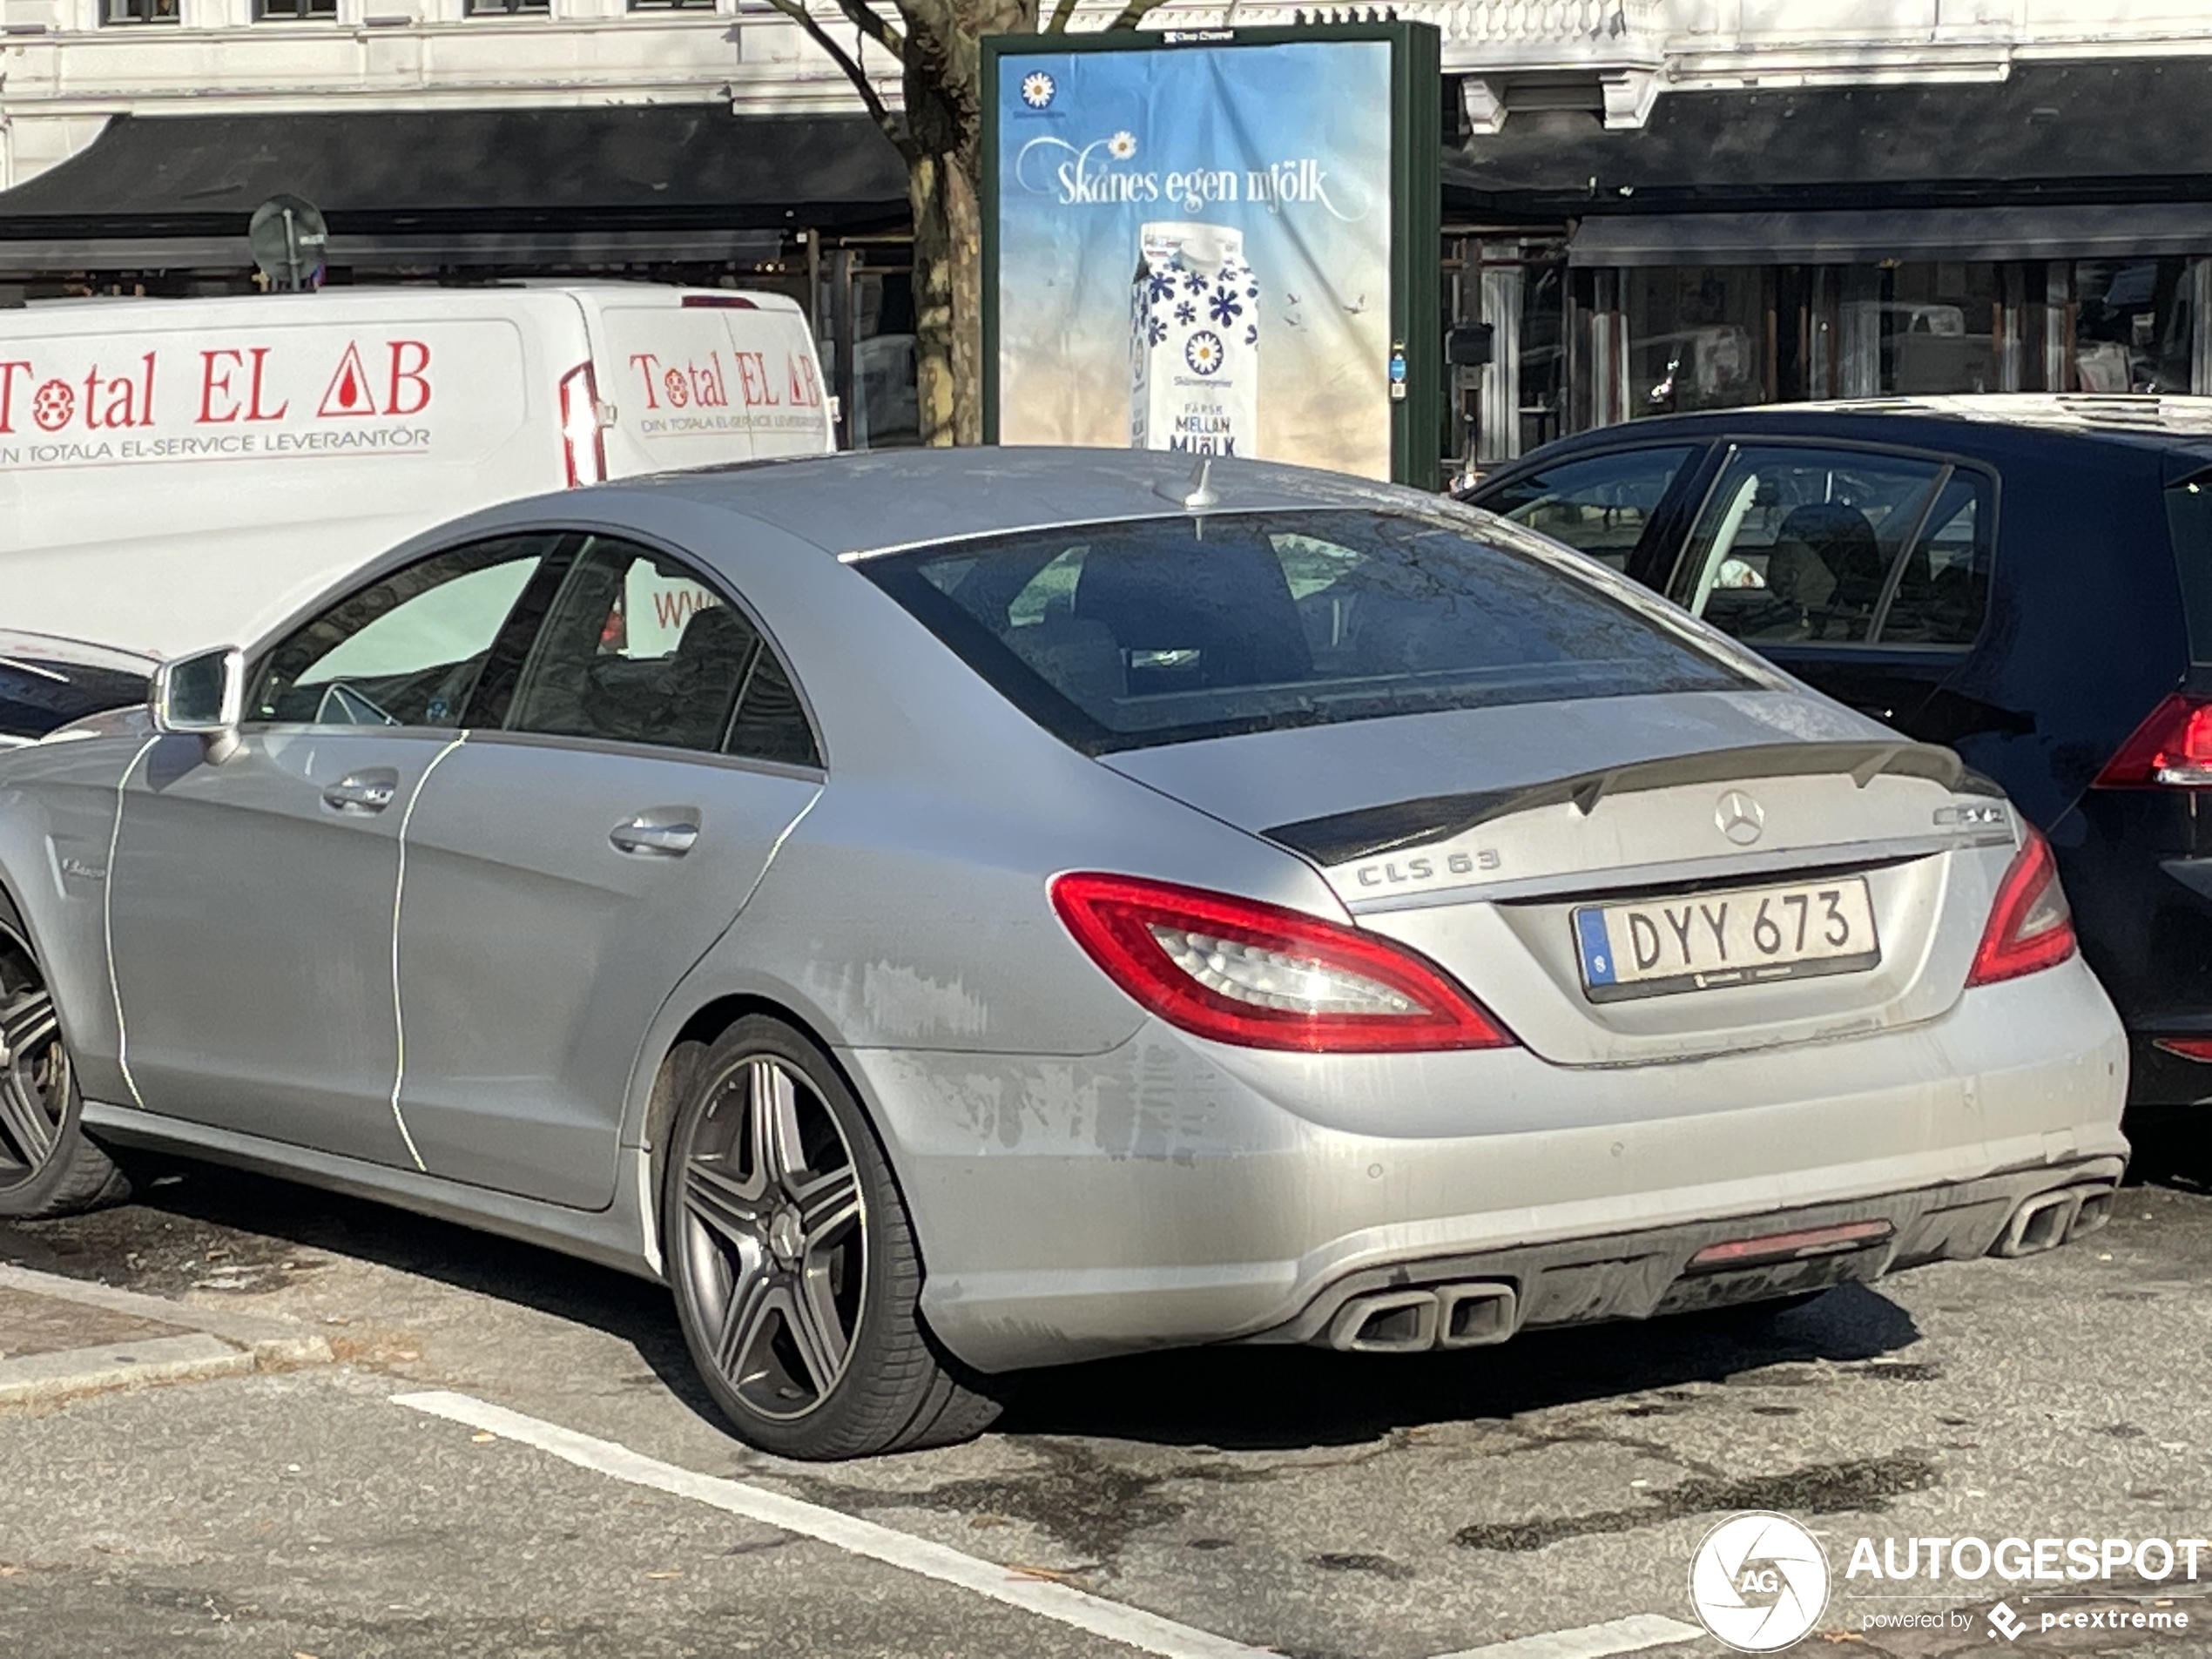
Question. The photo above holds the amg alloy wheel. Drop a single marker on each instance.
(793, 1262)
(47, 1167)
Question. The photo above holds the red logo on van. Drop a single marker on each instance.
(347, 393)
(407, 382)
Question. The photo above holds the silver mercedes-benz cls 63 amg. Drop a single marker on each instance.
(947, 912)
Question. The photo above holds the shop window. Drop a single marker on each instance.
(1696, 338)
(508, 8)
(1599, 505)
(2131, 326)
(131, 11)
(1806, 544)
(295, 10)
(1917, 330)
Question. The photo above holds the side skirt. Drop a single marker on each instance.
(617, 1236)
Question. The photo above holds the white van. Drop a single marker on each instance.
(181, 473)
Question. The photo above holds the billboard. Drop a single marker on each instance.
(1220, 241)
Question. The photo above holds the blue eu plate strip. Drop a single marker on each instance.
(1597, 950)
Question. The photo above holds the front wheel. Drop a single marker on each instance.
(47, 1166)
(793, 1261)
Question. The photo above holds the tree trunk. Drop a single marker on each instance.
(944, 124)
(948, 290)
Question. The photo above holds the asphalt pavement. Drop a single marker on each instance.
(484, 1448)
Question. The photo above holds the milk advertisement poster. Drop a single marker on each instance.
(1194, 251)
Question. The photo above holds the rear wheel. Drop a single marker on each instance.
(793, 1261)
(47, 1166)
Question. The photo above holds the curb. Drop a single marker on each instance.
(194, 1343)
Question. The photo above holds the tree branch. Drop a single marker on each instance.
(797, 11)
(1130, 15)
(1062, 15)
(870, 23)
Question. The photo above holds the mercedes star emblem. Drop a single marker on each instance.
(1740, 818)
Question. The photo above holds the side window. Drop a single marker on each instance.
(1943, 588)
(1797, 544)
(1599, 505)
(408, 650)
(636, 649)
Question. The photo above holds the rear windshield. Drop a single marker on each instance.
(1163, 630)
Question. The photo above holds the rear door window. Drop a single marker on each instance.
(1165, 631)
(1940, 591)
(1600, 506)
(618, 660)
(1798, 545)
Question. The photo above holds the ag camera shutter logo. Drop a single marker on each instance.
(1759, 1581)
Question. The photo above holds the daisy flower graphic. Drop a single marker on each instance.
(1122, 145)
(1037, 90)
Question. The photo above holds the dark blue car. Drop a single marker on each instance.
(2026, 579)
(45, 683)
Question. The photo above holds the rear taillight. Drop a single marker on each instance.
(2030, 927)
(1239, 971)
(2171, 749)
(717, 302)
(584, 446)
(2187, 1047)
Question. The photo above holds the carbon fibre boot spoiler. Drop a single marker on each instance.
(1373, 830)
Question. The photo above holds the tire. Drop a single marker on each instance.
(793, 1262)
(47, 1165)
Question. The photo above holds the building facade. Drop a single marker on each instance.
(1651, 204)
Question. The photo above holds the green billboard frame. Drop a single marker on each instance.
(1416, 230)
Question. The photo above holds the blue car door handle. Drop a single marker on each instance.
(362, 792)
(656, 835)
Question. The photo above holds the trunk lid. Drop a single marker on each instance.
(1708, 816)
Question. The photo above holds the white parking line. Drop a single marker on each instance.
(1591, 1641)
(1133, 1627)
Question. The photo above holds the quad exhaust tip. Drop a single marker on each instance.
(1444, 1316)
(2050, 1219)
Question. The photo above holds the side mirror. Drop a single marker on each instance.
(203, 695)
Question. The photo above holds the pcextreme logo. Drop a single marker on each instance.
(1759, 1581)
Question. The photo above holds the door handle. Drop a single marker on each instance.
(362, 792)
(651, 835)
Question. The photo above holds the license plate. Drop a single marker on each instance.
(1703, 941)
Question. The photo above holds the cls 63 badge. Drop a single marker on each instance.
(1394, 872)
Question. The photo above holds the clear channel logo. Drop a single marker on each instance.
(1759, 1581)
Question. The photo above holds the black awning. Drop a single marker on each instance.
(2117, 130)
(2047, 230)
(634, 183)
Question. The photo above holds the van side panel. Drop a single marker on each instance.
(725, 378)
(175, 475)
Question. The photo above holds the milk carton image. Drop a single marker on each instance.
(1194, 342)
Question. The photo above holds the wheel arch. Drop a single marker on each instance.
(672, 1056)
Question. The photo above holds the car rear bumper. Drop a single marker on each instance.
(1173, 1192)
(1473, 1301)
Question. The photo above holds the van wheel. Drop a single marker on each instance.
(47, 1165)
(793, 1261)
